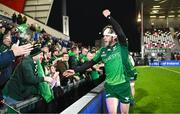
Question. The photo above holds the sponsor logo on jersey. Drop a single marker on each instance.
(103, 54)
(127, 99)
(110, 57)
(108, 49)
(107, 95)
(114, 48)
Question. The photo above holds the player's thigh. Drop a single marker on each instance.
(112, 104)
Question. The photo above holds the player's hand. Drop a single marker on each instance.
(68, 73)
(106, 12)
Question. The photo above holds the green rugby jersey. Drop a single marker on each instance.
(129, 70)
(132, 68)
(115, 58)
(112, 60)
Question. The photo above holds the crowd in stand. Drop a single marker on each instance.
(177, 33)
(21, 77)
(160, 41)
(175, 55)
(158, 38)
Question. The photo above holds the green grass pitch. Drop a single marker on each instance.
(157, 90)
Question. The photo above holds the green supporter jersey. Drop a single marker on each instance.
(83, 57)
(112, 59)
(94, 74)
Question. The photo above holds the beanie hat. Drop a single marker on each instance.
(36, 50)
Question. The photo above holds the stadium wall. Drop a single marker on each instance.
(92, 102)
(17, 5)
(163, 23)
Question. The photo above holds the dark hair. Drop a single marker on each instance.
(36, 50)
(64, 53)
(74, 48)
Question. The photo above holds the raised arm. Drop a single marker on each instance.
(116, 26)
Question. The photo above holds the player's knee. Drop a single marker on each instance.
(132, 84)
(112, 112)
(124, 112)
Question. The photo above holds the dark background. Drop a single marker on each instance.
(86, 19)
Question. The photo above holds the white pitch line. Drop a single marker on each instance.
(170, 70)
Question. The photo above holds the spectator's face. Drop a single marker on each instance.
(93, 50)
(41, 56)
(90, 56)
(3, 30)
(76, 51)
(84, 51)
(7, 40)
(46, 49)
(65, 57)
(35, 58)
(56, 52)
(13, 29)
(49, 54)
(53, 69)
(64, 50)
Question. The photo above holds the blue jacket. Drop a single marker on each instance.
(6, 59)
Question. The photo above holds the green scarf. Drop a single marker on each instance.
(44, 88)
